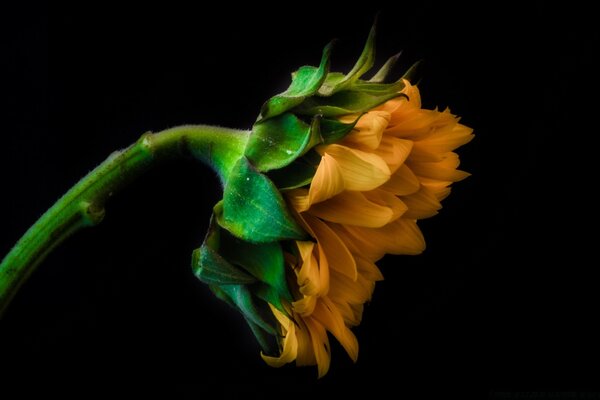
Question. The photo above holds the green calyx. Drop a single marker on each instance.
(241, 258)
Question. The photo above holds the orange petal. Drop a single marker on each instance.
(348, 291)
(320, 344)
(388, 200)
(305, 306)
(394, 151)
(368, 269)
(399, 237)
(368, 131)
(413, 124)
(353, 208)
(298, 199)
(306, 353)
(444, 170)
(308, 273)
(347, 312)
(403, 182)
(360, 170)
(328, 315)
(440, 189)
(337, 254)
(289, 349)
(422, 204)
(327, 182)
(446, 138)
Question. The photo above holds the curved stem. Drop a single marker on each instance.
(83, 204)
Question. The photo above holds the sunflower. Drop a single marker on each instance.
(364, 201)
(333, 175)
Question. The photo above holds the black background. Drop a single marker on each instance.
(503, 299)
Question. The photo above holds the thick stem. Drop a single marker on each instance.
(83, 204)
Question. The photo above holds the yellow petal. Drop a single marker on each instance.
(368, 269)
(305, 306)
(289, 349)
(368, 131)
(402, 182)
(413, 124)
(360, 170)
(399, 237)
(348, 312)
(327, 182)
(323, 270)
(306, 353)
(412, 91)
(444, 170)
(345, 290)
(446, 138)
(392, 106)
(386, 199)
(320, 344)
(357, 309)
(328, 315)
(394, 151)
(422, 204)
(308, 273)
(298, 199)
(353, 208)
(337, 254)
(440, 189)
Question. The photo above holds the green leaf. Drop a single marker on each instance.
(384, 71)
(343, 103)
(252, 208)
(264, 261)
(305, 82)
(365, 62)
(277, 142)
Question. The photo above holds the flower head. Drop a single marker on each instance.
(335, 174)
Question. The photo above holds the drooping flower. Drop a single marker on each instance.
(335, 174)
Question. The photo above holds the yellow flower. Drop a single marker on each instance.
(364, 201)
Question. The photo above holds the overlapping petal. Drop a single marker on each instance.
(368, 192)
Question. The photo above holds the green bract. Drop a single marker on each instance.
(242, 258)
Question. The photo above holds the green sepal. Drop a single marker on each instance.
(305, 82)
(299, 173)
(332, 130)
(252, 208)
(381, 75)
(277, 142)
(412, 75)
(334, 83)
(246, 276)
(271, 295)
(343, 103)
(253, 308)
(268, 342)
(378, 89)
(211, 268)
(263, 261)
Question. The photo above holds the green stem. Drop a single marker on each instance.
(83, 204)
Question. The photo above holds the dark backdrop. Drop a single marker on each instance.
(503, 299)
